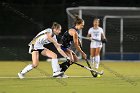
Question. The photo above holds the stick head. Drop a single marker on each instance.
(95, 74)
(102, 72)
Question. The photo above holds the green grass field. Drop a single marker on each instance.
(119, 77)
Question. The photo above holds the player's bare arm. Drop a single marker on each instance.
(104, 40)
(76, 42)
(57, 45)
(89, 36)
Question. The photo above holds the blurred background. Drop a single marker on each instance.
(21, 20)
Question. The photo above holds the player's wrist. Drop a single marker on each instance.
(67, 58)
(104, 41)
(82, 53)
(90, 38)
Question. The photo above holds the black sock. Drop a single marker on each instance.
(64, 66)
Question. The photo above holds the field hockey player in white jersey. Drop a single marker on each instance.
(97, 37)
(36, 47)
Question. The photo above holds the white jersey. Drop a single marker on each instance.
(40, 39)
(95, 34)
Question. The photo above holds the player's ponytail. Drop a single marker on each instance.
(55, 25)
(78, 20)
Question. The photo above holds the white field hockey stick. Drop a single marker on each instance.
(90, 69)
(87, 38)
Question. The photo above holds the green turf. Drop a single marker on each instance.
(119, 77)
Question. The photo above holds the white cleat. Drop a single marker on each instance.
(59, 77)
(21, 76)
(64, 76)
(57, 74)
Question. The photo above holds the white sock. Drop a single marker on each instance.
(92, 60)
(27, 69)
(55, 65)
(97, 61)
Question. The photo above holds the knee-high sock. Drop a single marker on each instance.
(92, 60)
(97, 61)
(27, 69)
(55, 65)
(64, 66)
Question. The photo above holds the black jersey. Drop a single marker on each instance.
(67, 39)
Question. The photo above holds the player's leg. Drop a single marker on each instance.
(55, 65)
(92, 56)
(65, 65)
(75, 57)
(92, 53)
(97, 57)
(35, 62)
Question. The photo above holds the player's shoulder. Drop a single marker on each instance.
(91, 29)
(72, 30)
(48, 30)
(100, 28)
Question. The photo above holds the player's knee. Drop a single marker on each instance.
(92, 56)
(97, 54)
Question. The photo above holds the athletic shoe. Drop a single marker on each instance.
(21, 76)
(63, 76)
(57, 74)
(58, 77)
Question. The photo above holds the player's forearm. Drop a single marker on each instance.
(79, 48)
(57, 47)
(103, 36)
(89, 37)
(61, 52)
(53, 41)
(104, 40)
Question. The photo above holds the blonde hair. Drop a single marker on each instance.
(96, 18)
(55, 25)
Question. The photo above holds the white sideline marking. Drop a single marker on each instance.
(45, 77)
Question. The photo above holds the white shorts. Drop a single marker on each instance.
(36, 46)
(95, 44)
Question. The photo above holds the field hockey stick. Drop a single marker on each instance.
(87, 38)
(90, 68)
(101, 73)
(92, 73)
(95, 71)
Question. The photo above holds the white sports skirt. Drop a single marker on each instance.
(95, 44)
